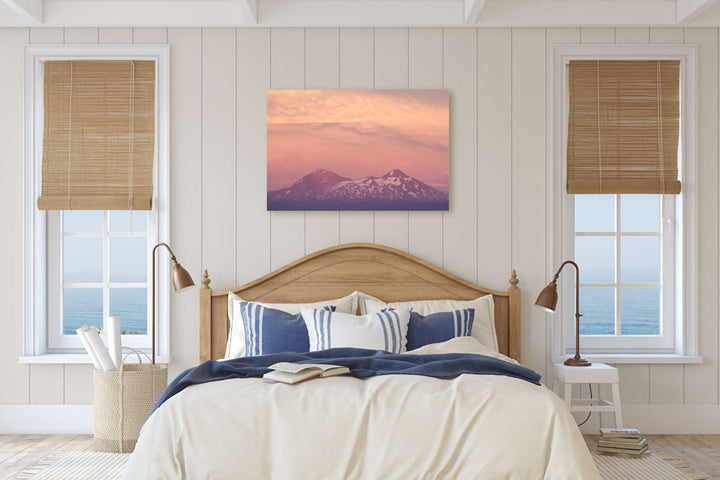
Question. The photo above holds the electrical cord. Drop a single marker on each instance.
(589, 413)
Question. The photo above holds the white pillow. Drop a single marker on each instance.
(483, 325)
(460, 345)
(236, 336)
(377, 331)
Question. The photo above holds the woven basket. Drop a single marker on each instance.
(123, 401)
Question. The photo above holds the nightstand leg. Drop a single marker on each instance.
(616, 403)
(600, 398)
(567, 392)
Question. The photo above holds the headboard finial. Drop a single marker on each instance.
(514, 279)
(205, 280)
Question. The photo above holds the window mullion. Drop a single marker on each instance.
(106, 267)
(618, 279)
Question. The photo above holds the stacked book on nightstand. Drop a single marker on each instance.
(625, 441)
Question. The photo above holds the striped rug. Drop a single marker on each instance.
(110, 466)
(651, 466)
(76, 466)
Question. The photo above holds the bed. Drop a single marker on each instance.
(384, 426)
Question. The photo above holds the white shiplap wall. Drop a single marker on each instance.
(498, 215)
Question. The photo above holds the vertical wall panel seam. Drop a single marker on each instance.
(545, 186)
(202, 163)
(717, 73)
(29, 370)
(512, 173)
(477, 156)
(235, 48)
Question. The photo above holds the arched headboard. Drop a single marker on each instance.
(380, 271)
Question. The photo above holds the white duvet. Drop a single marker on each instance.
(383, 427)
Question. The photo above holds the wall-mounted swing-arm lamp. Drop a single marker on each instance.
(181, 280)
(548, 299)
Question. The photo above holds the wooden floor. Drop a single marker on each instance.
(19, 451)
(700, 451)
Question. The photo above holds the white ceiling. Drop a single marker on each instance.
(358, 12)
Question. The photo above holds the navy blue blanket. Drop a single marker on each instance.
(361, 362)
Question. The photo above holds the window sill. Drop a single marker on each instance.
(639, 358)
(79, 359)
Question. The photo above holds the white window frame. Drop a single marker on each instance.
(57, 342)
(36, 231)
(684, 338)
(663, 343)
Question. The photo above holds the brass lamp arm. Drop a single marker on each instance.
(172, 255)
(174, 260)
(577, 283)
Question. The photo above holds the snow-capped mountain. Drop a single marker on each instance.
(325, 190)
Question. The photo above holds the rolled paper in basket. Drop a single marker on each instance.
(88, 348)
(113, 329)
(91, 333)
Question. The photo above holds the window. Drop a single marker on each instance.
(637, 279)
(626, 249)
(98, 267)
(82, 266)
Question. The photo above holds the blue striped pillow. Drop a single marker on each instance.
(439, 327)
(377, 331)
(273, 331)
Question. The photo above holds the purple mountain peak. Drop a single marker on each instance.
(397, 173)
(325, 190)
(320, 178)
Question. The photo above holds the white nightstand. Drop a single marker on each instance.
(598, 373)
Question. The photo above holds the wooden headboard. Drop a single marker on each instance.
(383, 272)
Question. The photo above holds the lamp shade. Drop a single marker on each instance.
(548, 297)
(181, 279)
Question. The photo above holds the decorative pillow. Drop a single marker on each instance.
(268, 330)
(483, 325)
(438, 327)
(378, 331)
(236, 335)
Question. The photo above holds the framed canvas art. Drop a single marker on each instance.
(358, 149)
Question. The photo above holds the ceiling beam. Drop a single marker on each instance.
(688, 10)
(30, 10)
(472, 11)
(249, 10)
(351, 13)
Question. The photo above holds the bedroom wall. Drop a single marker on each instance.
(497, 221)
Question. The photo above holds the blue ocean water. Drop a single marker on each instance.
(84, 306)
(640, 311)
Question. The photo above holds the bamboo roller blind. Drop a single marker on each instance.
(623, 129)
(99, 135)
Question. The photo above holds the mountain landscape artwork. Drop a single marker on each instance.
(358, 149)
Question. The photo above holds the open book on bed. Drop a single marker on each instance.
(292, 373)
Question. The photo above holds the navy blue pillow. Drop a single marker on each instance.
(438, 327)
(273, 331)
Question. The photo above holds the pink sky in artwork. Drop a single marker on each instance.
(356, 133)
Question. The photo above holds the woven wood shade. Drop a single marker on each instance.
(99, 135)
(623, 129)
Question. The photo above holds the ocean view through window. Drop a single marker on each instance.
(618, 246)
(105, 269)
